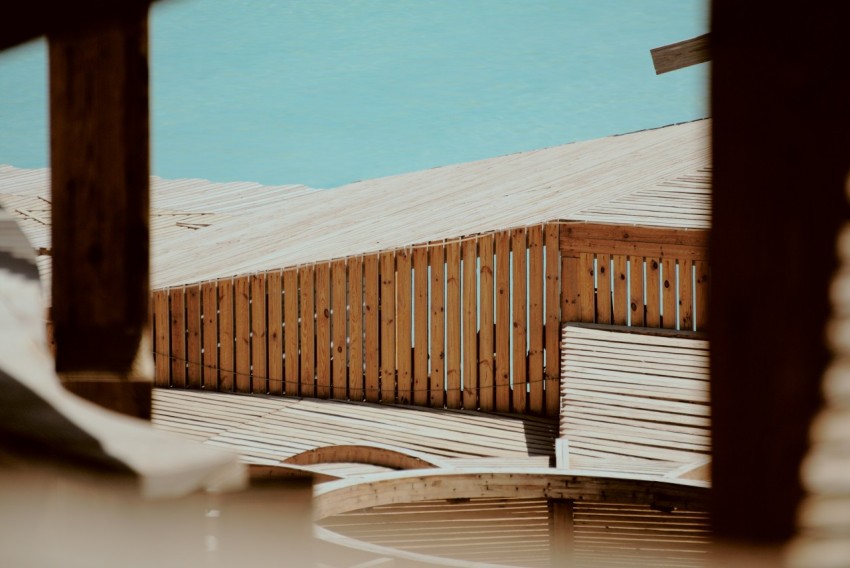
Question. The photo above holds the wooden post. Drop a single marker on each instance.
(561, 526)
(781, 130)
(100, 175)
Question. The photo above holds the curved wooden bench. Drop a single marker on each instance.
(372, 454)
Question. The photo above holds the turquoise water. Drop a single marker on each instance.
(327, 92)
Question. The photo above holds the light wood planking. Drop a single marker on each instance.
(637, 305)
(259, 325)
(453, 325)
(702, 295)
(388, 368)
(339, 329)
(371, 326)
(603, 292)
(291, 330)
(553, 318)
(178, 337)
(587, 288)
(486, 349)
(621, 290)
(323, 330)
(668, 289)
(653, 294)
(503, 321)
(536, 402)
(355, 328)
(209, 305)
(420, 323)
(162, 363)
(686, 295)
(275, 309)
(519, 299)
(193, 335)
(242, 313)
(307, 378)
(469, 251)
(437, 375)
(226, 355)
(404, 342)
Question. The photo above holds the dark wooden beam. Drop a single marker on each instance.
(681, 54)
(100, 176)
(780, 86)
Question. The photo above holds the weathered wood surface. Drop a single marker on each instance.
(681, 54)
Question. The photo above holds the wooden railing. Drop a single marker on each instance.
(468, 323)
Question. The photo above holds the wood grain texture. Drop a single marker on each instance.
(701, 310)
(259, 338)
(668, 289)
(653, 293)
(355, 329)
(193, 335)
(587, 287)
(519, 312)
(603, 288)
(242, 337)
(226, 322)
(339, 329)
(503, 321)
(437, 375)
(469, 252)
(307, 377)
(486, 346)
(388, 324)
(638, 241)
(552, 372)
(420, 326)
(621, 290)
(404, 315)
(686, 295)
(371, 326)
(291, 330)
(209, 307)
(162, 339)
(275, 333)
(570, 288)
(323, 330)
(536, 401)
(453, 325)
(177, 311)
(681, 54)
(637, 299)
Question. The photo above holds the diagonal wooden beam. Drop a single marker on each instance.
(681, 54)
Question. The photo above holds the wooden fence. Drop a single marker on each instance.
(469, 323)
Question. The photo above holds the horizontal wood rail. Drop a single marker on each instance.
(469, 323)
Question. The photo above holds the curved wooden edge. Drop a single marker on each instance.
(332, 537)
(409, 487)
(371, 454)
(265, 473)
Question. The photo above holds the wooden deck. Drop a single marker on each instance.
(269, 430)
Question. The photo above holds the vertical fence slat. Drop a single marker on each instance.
(469, 250)
(486, 392)
(637, 304)
(436, 378)
(162, 365)
(242, 295)
(603, 288)
(355, 328)
(653, 298)
(404, 342)
(668, 289)
(193, 335)
(519, 297)
(259, 364)
(339, 330)
(621, 290)
(306, 378)
(291, 330)
(702, 295)
(686, 295)
(453, 325)
(371, 326)
(420, 326)
(553, 319)
(503, 321)
(388, 367)
(571, 288)
(587, 288)
(274, 287)
(209, 299)
(226, 336)
(536, 402)
(323, 330)
(178, 337)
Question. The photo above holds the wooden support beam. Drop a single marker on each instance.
(781, 129)
(100, 175)
(681, 54)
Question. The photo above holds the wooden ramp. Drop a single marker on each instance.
(269, 430)
(634, 401)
